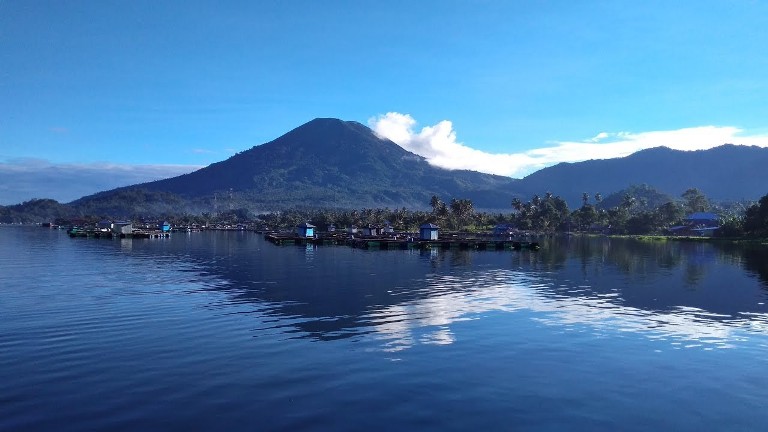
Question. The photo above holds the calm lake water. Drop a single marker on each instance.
(224, 331)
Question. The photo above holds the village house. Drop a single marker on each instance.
(371, 230)
(122, 228)
(702, 224)
(388, 229)
(306, 230)
(428, 231)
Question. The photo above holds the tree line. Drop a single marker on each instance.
(549, 213)
(637, 210)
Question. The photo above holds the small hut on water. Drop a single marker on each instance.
(428, 231)
(122, 228)
(306, 230)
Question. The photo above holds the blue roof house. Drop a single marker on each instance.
(164, 227)
(698, 224)
(428, 231)
(306, 230)
(703, 224)
(702, 218)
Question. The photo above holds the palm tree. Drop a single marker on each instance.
(462, 209)
(435, 203)
(517, 204)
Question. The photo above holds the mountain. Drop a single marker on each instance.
(725, 173)
(334, 163)
(325, 162)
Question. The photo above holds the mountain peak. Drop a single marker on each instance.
(329, 162)
(330, 134)
(330, 124)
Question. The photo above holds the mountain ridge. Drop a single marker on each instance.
(718, 172)
(328, 162)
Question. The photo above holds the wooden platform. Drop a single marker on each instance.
(390, 243)
(280, 239)
(137, 234)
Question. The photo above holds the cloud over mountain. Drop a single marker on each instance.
(440, 146)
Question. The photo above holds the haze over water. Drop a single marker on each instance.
(222, 330)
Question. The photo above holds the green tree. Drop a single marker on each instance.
(462, 210)
(628, 202)
(517, 204)
(756, 218)
(695, 201)
(585, 216)
(643, 222)
(731, 226)
(435, 203)
(547, 214)
(669, 214)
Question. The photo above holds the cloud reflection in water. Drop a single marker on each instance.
(429, 320)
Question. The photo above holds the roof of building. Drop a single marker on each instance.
(429, 226)
(307, 225)
(702, 216)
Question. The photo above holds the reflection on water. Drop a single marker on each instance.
(213, 331)
(403, 325)
(690, 294)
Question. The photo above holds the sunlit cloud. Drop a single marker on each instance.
(440, 146)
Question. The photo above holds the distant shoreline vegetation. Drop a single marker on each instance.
(637, 211)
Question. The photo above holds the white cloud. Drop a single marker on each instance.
(438, 144)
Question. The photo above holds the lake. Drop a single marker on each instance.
(225, 331)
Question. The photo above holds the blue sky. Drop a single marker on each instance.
(506, 87)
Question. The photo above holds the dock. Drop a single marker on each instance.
(403, 243)
(136, 234)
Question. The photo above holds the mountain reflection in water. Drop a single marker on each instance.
(225, 331)
(692, 294)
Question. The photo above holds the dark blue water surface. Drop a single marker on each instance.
(224, 331)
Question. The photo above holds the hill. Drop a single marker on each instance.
(333, 163)
(325, 162)
(724, 173)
